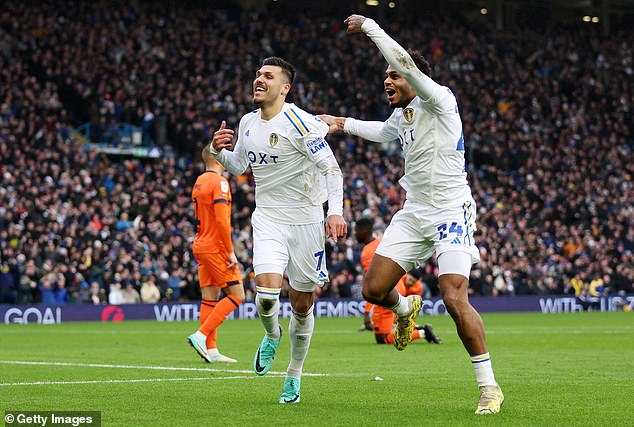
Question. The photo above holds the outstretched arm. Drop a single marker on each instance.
(397, 57)
(235, 161)
(369, 130)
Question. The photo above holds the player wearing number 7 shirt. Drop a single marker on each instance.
(439, 211)
(295, 173)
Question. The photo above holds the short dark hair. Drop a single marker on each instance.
(365, 223)
(416, 273)
(286, 67)
(420, 62)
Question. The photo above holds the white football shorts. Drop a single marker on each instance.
(418, 230)
(298, 249)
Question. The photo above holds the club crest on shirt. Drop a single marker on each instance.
(408, 113)
(273, 138)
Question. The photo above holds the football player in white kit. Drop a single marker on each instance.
(439, 211)
(295, 172)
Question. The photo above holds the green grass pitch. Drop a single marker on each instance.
(555, 369)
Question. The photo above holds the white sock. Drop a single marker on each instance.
(267, 302)
(201, 335)
(300, 330)
(401, 308)
(483, 370)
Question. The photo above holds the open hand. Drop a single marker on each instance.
(335, 124)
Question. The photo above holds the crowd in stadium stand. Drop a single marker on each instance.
(548, 125)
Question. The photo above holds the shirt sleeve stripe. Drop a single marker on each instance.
(300, 120)
(294, 124)
(221, 201)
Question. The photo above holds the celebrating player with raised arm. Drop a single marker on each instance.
(439, 211)
(295, 173)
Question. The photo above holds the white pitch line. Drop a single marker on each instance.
(148, 380)
(157, 368)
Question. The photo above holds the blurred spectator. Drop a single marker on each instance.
(150, 293)
(175, 284)
(130, 295)
(47, 290)
(8, 293)
(115, 296)
(92, 294)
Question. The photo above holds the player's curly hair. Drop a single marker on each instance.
(420, 61)
(286, 67)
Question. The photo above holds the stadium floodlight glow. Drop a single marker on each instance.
(484, 11)
(586, 18)
(391, 5)
(372, 2)
(595, 19)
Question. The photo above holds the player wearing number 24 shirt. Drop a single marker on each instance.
(439, 212)
(295, 172)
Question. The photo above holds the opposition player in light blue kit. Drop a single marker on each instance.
(295, 172)
(439, 211)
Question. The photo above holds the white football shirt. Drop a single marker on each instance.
(429, 130)
(289, 158)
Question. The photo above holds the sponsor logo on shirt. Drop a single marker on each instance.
(316, 145)
(261, 158)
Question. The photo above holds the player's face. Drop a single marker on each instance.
(398, 90)
(270, 83)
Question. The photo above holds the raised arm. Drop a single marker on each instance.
(235, 161)
(427, 89)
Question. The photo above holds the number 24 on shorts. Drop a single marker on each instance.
(453, 228)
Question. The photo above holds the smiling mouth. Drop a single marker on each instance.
(259, 89)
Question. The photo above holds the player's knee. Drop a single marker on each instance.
(265, 303)
(302, 308)
(371, 296)
(452, 302)
(455, 302)
(236, 299)
(371, 292)
(237, 293)
(453, 288)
